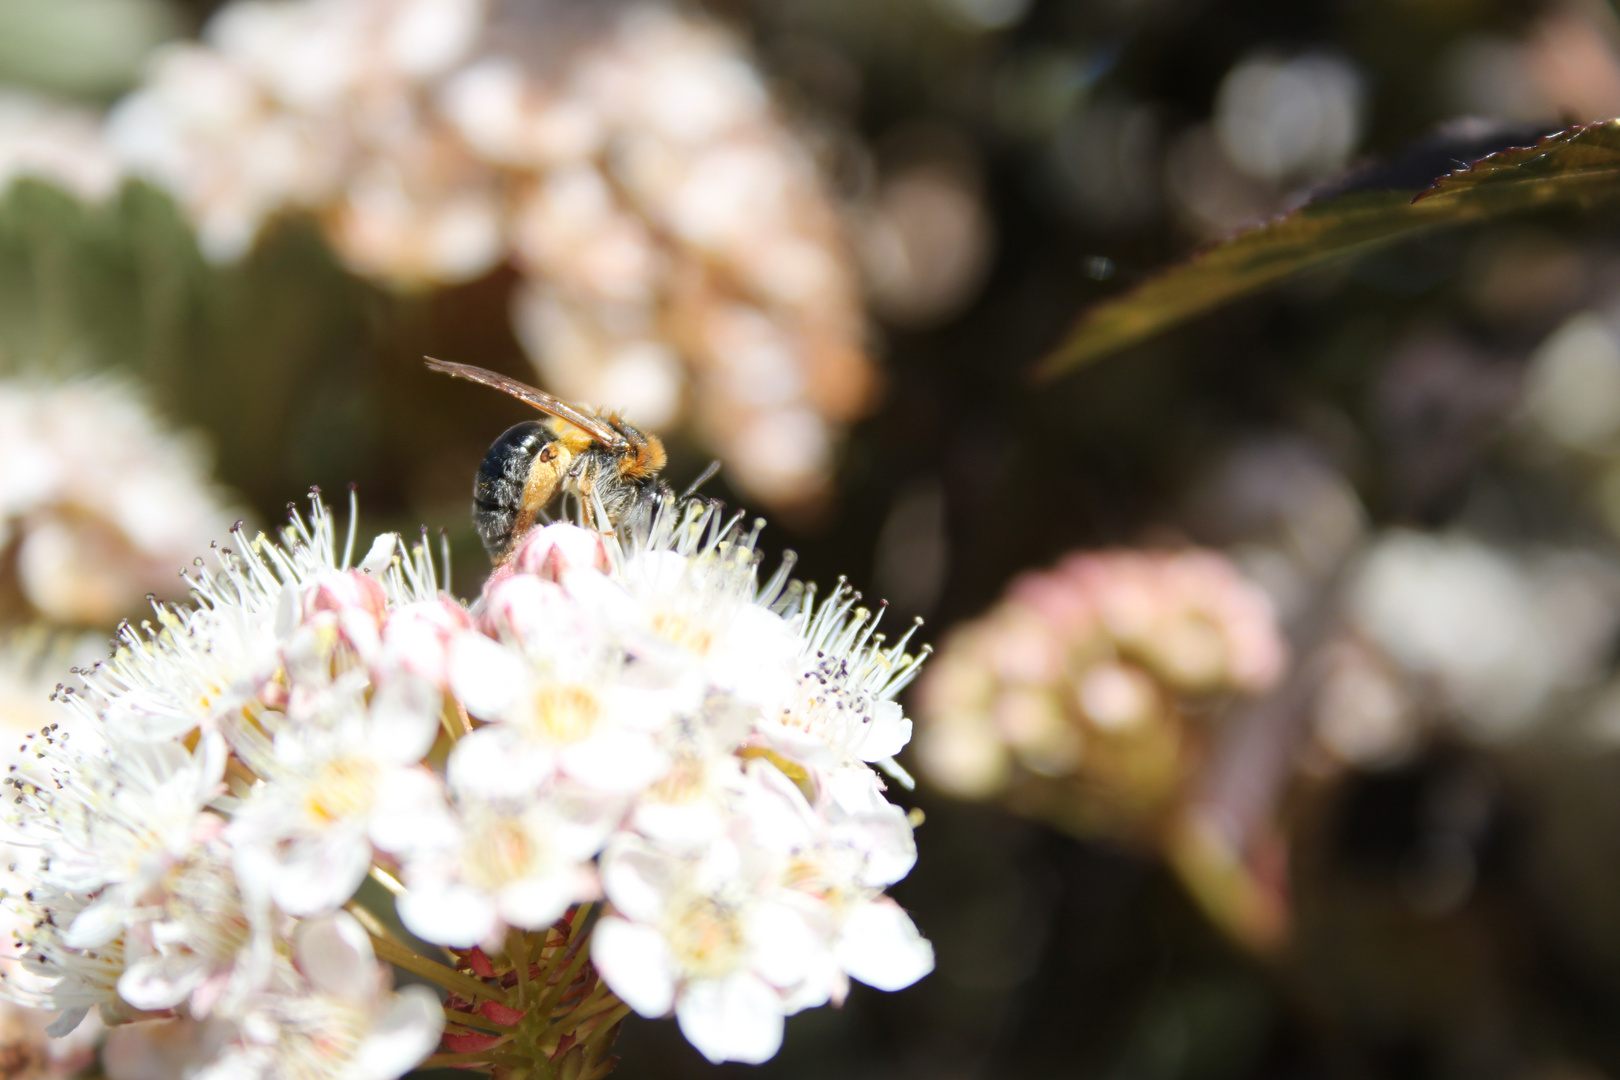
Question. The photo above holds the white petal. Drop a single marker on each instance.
(681, 825)
(855, 789)
(484, 675)
(287, 607)
(539, 901)
(317, 874)
(636, 879)
(209, 758)
(404, 718)
(447, 914)
(410, 813)
(738, 1018)
(380, 555)
(825, 982)
(499, 762)
(401, 1037)
(335, 955)
(805, 747)
(881, 947)
(161, 982)
(622, 761)
(99, 923)
(635, 963)
(67, 1022)
(756, 660)
(781, 818)
(898, 772)
(886, 735)
(888, 843)
(783, 946)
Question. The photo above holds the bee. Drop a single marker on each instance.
(609, 466)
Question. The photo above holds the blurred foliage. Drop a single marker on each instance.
(94, 48)
(1579, 166)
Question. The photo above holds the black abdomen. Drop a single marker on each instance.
(498, 487)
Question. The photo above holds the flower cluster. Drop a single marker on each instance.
(1077, 699)
(635, 719)
(671, 232)
(98, 503)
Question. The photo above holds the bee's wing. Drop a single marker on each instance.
(591, 425)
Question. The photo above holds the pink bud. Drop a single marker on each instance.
(554, 550)
(417, 637)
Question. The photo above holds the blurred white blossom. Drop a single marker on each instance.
(99, 503)
(1282, 120)
(1573, 387)
(678, 255)
(1488, 636)
(54, 142)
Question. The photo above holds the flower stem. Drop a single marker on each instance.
(559, 1020)
(517, 951)
(435, 972)
(475, 1058)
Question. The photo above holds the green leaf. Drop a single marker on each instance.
(1580, 166)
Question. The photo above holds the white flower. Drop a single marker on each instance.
(842, 708)
(333, 789)
(125, 847)
(56, 976)
(511, 863)
(693, 804)
(203, 663)
(699, 610)
(335, 1019)
(111, 821)
(696, 935)
(563, 698)
(198, 940)
(832, 870)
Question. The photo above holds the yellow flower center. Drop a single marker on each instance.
(686, 782)
(678, 629)
(344, 788)
(501, 852)
(565, 712)
(706, 938)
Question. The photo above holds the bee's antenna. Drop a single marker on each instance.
(703, 478)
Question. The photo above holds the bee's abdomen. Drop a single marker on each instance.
(498, 488)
